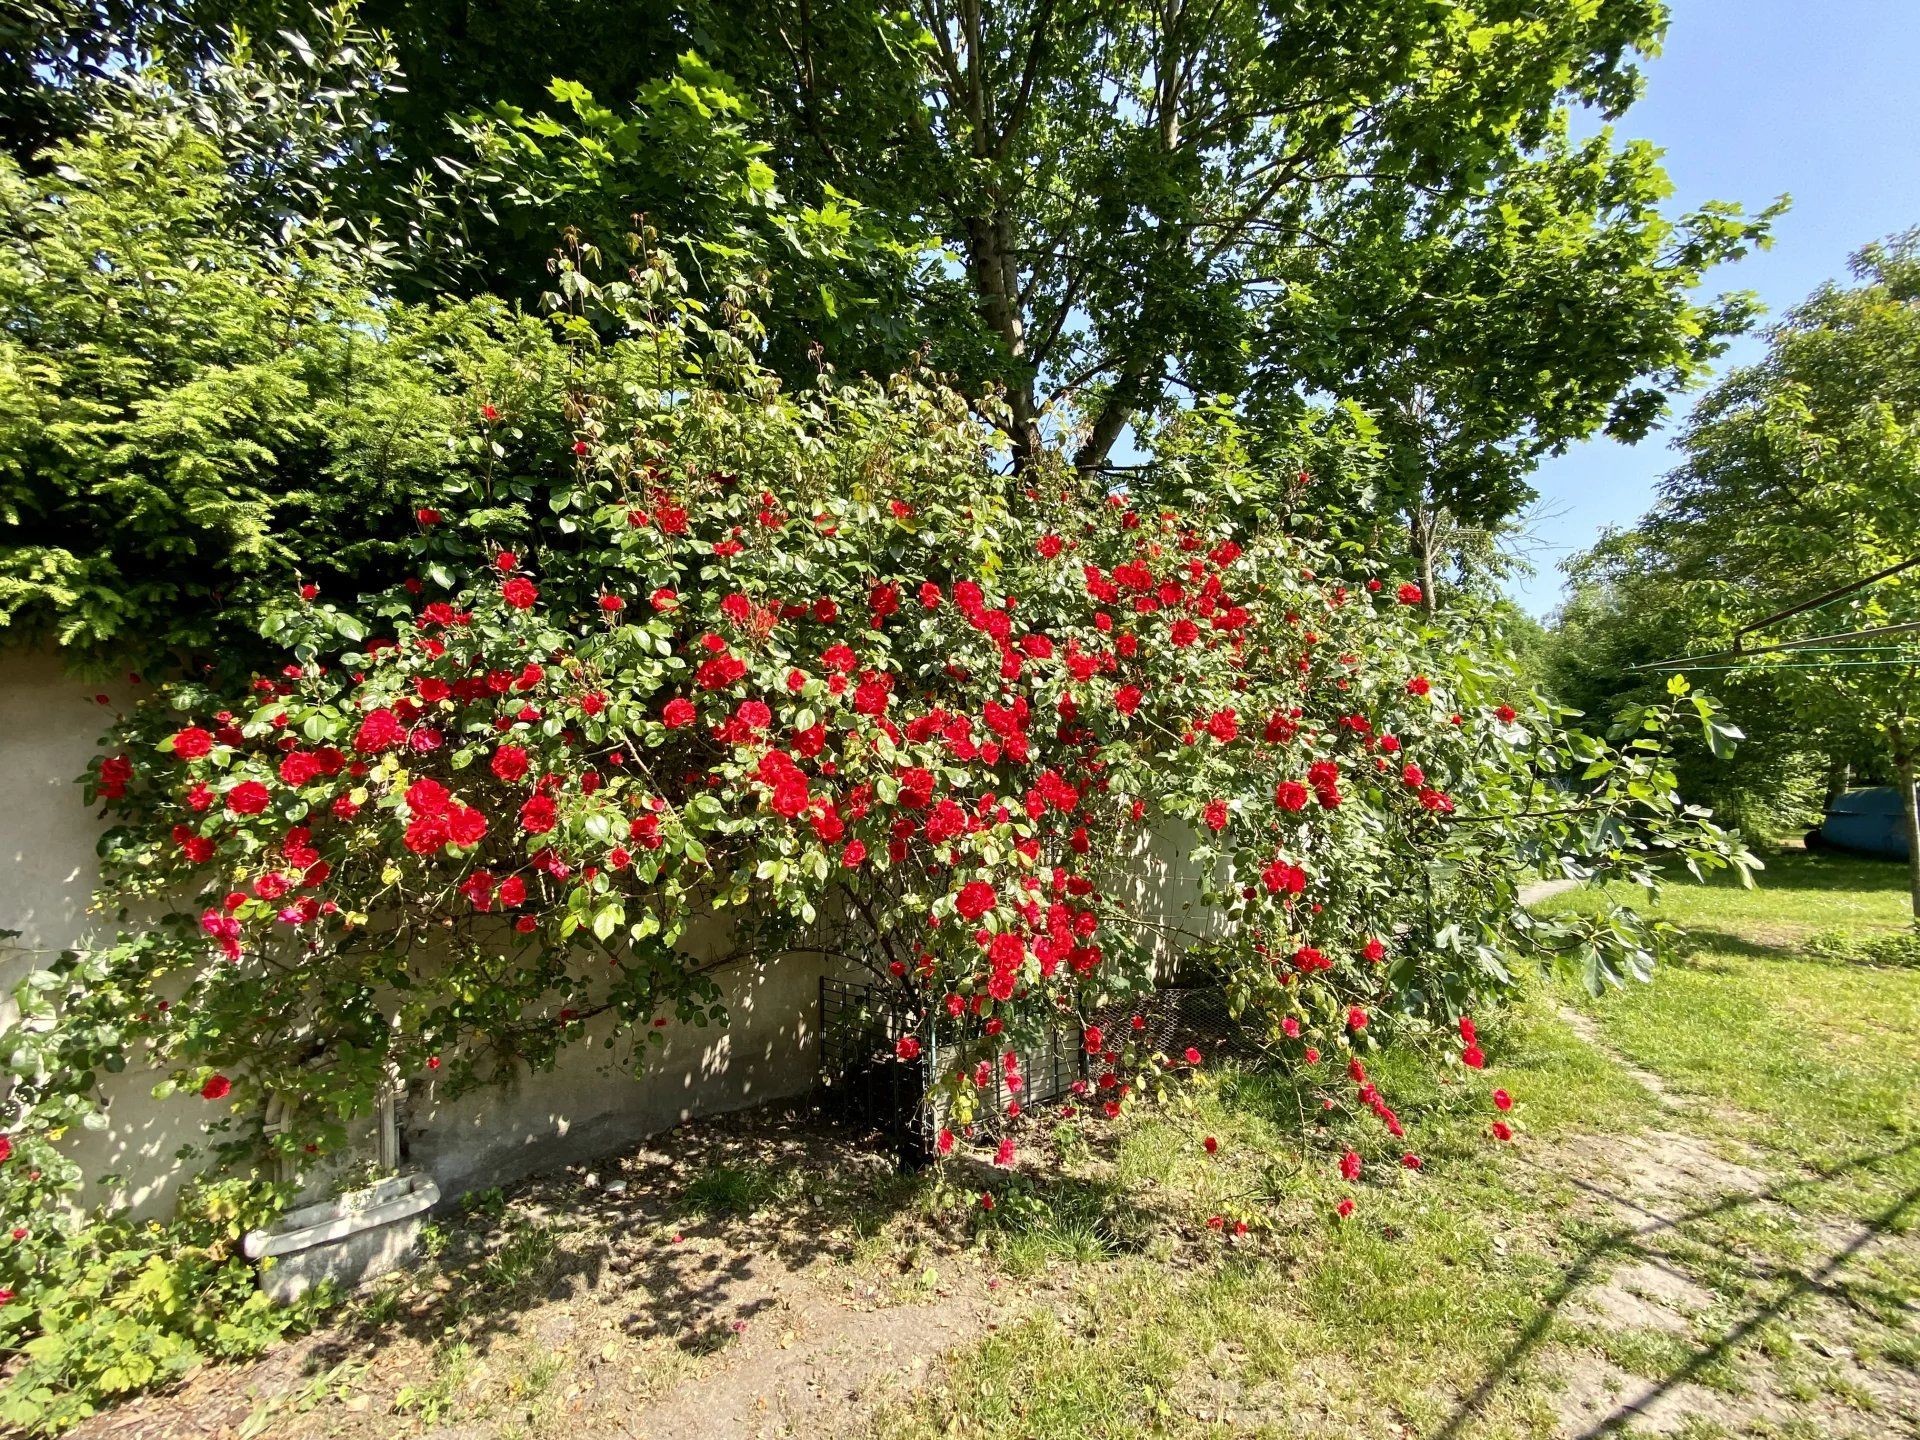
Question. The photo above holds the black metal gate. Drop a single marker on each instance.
(865, 1085)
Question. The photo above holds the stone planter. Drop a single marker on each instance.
(348, 1240)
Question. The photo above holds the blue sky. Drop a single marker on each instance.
(1817, 99)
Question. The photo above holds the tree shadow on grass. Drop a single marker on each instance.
(1825, 870)
(1704, 942)
(1631, 1242)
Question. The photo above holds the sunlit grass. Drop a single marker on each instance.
(1449, 1286)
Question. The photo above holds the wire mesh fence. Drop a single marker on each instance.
(864, 1084)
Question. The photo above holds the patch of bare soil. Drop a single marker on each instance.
(741, 1277)
(1676, 1345)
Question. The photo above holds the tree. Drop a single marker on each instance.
(1150, 200)
(1626, 611)
(1798, 478)
(1556, 303)
(1143, 203)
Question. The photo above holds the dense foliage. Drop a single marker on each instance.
(1104, 212)
(1796, 478)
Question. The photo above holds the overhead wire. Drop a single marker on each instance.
(1832, 642)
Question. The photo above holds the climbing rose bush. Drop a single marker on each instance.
(792, 677)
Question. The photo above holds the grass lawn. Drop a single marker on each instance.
(1769, 1199)
(1705, 1227)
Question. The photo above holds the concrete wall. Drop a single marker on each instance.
(588, 1104)
(50, 723)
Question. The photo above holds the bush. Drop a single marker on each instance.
(115, 1307)
(806, 663)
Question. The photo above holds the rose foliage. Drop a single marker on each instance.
(807, 674)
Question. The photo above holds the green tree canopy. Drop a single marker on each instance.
(1798, 476)
(1136, 206)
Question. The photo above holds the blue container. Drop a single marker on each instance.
(1867, 822)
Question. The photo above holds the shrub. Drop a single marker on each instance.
(807, 663)
(116, 1307)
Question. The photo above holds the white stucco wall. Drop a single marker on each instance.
(588, 1104)
(49, 728)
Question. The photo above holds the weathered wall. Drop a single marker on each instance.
(588, 1104)
(49, 727)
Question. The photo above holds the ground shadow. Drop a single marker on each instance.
(681, 1222)
(1631, 1242)
(1823, 870)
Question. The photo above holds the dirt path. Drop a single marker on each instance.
(740, 1278)
(762, 1276)
(826, 1367)
(1672, 1276)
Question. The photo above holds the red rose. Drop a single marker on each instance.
(216, 1088)
(509, 762)
(1290, 795)
(1502, 1101)
(1215, 815)
(976, 899)
(465, 826)
(678, 712)
(1350, 1166)
(538, 815)
(907, 1048)
(191, 743)
(520, 592)
(381, 730)
(249, 797)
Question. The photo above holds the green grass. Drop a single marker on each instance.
(1442, 1307)
(1374, 1324)
(1815, 1059)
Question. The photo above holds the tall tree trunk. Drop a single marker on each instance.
(1903, 761)
(1126, 397)
(996, 281)
(1423, 528)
